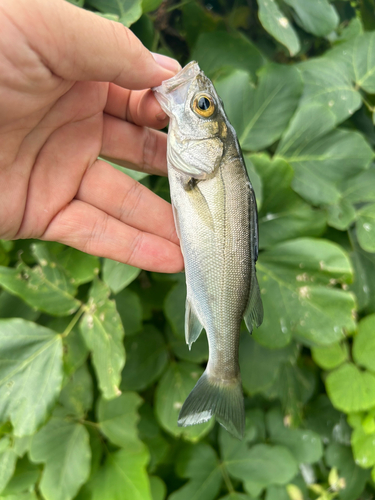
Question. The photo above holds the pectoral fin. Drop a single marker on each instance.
(253, 315)
(193, 326)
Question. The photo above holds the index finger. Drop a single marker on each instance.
(76, 44)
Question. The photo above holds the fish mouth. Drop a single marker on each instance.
(173, 92)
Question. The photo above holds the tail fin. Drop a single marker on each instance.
(211, 397)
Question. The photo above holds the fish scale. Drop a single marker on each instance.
(216, 220)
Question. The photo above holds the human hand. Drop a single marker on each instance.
(58, 113)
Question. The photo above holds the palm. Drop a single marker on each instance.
(70, 196)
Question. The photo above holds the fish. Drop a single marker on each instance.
(215, 213)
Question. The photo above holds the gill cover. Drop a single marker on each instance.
(197, 158)
(189, 98)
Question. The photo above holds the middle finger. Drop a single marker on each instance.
(144, 148)
(127, 200)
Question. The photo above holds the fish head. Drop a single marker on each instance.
(198, 126)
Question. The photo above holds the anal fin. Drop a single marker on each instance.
(193, 326)
(253, 314)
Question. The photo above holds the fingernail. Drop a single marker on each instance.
(167, 62)
(161, 116)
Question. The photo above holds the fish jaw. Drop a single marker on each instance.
(173, 92)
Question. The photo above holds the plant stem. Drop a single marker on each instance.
(72, 324)
(227, 481)
(178, 5)
(88, 422)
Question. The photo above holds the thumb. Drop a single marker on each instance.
(79, 45)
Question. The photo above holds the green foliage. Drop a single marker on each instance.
(94, 367)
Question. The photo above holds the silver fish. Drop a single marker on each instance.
(216, 218)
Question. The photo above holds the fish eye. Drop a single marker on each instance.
(203, 105)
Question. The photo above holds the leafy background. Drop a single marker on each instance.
(78, 421)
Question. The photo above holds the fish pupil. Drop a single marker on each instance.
(203, 103)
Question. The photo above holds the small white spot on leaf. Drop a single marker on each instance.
(283, 21)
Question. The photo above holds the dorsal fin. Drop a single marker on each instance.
(253, 314)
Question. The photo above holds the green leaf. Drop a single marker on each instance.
(315, 16)
(172, 390)
(360, 189)
(294, 386)
(263, 463)
(357, 54)
(197, 354)
(260, 366)
(174, 308)
(150, 433)
(255, 430)
(341, 215)
(46, 286)
(25, 476)
(103, 333)
(117, 275)
(275, 22)
(322, 162)
(22, 496)
(122, 476)
(363, 448)
(277, 493)
(8, 459)
(118, 419)
(330, 356)
(304, 444)
(363, 60)
(129, 307)
(63, 447)
(198, 463)
(364, 278)
(30, 373)
(128, 11)
(260, 114)
(327, 82)
(221, 49)
(158, 488)
(147, 357)
(366, 227)
(355, 478)
(198, 19)
(234, 495)
(81, 266)
(75, 351)
(4, 257)
(364, 343)
(255, 180)
(351, 389)
(150, 5)
(291, 276)
(322, 418)
(13, 307)
(77, 395)
(283, 215)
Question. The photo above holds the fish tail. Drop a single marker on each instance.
(214, 397)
